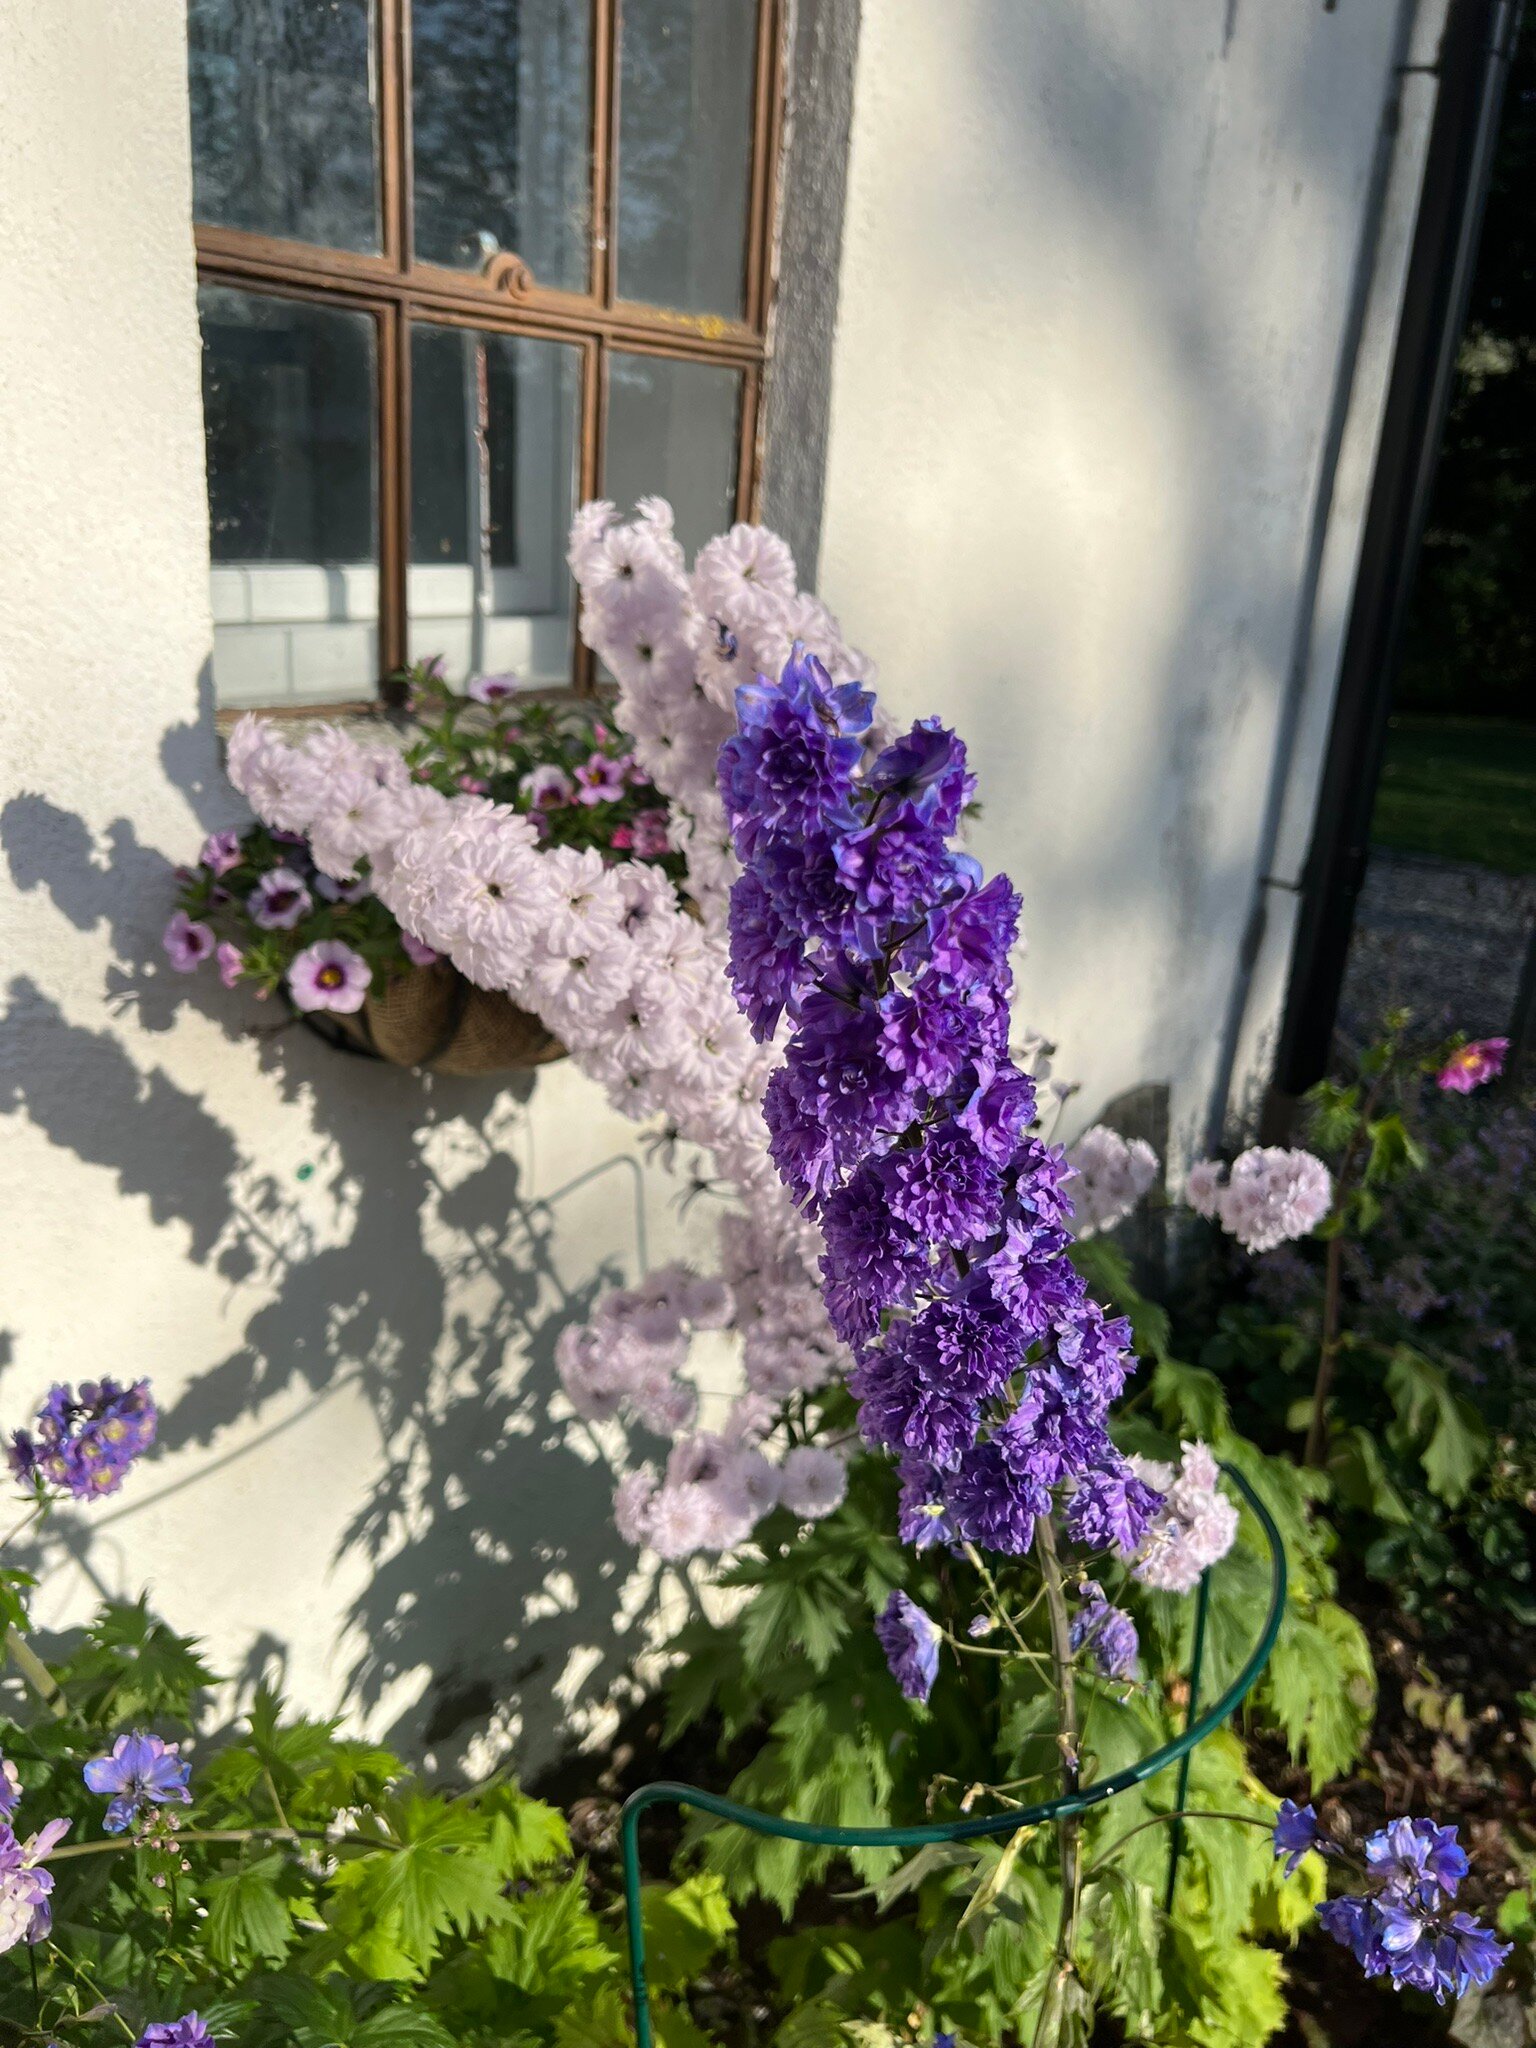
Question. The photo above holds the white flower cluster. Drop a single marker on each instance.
(677, 644)
(635, 985)
(717, 1487)
(1113, 1173)
(1269, 1196)
(1195, 1526)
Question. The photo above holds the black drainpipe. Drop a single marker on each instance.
(1474, 58)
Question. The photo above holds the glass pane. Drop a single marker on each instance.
(685, 147)
(493, 486)
(502, 133)
(284, 111)
(672, 430)
(288, 407)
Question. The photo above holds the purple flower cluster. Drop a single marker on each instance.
(83, 1444)
(1107, 1633)
(1404, 1926)
(900, 1121)
(141, 1772)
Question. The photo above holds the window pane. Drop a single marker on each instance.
(288, 405)
(501, 115)
(672, 430)
(685, 145)
(284, 104)
(493, 485)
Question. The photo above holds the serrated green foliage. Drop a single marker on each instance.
(320, 1895)
(1431, 1419)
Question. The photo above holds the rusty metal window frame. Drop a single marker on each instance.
(506, 298)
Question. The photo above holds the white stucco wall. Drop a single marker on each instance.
(1098, 459)
(1097, 287)
(344, 1281)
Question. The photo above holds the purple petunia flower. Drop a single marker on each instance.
(329, 975)
(231, 963)
(911, 1645)
(141, 1772)
(600, 780)
(187, 942)
(220, 852)
(84, 1444)
(342, 892)
(279, 900)
(187, 2032)
(417, 951)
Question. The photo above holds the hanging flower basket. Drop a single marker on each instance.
(432, 1017)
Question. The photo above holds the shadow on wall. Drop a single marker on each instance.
(487, 1531)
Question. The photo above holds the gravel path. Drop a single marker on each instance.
(1445, 938)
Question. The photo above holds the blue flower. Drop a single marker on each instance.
(911, 1645)
(84, 1444)
(1107, 1633)
(1296, 1831)
(142, 1771)
(1409, 1851)
(187, 2032)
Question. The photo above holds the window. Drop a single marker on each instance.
(462, 264)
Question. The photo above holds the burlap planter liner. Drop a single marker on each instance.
(432, 1017)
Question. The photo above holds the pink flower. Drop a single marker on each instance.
(651, 839)
(187, 943)
(623, 838)
(492, 689)
(231, 963)
(1482, 1059)
(547, 787)
(472, 785)
(329, 976)
(599, 780)
(221, 852)
(417, 951)
(279, 900)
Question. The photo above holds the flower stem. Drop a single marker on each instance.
(1248, 1820)
(36, 1672)
(1048, 2025)
(1317, 1428)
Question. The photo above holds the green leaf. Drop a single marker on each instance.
(132, 1667)
(1393, 1152)
(249, 1919)
(1450, 1437)
(437, 1874)
(686, 1927)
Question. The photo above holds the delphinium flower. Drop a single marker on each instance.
(1195, 1527)
(187, 942)
(1270, 1195)
(910, 1641)
(83, 1444)
(1403, 1924)
(10, 1788)
(1113, 1173)
(329, 975)
(900, 1121)
(1106, 1632)
(1471, 1065)
(26, 1908)
(187, 2032)
(140, 1773)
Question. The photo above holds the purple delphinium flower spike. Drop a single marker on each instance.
(1107, 1633)
(1296, 1832)
(26, 1910)
(142, 1771)
(900, 1120)
(911, 1645)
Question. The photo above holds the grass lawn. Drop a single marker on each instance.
(1460, 789)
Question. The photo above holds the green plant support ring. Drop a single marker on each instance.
(1197, 1727)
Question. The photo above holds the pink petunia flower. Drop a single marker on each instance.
(417, 951)
(279, 900)
(1482, 1059)
(492, 689)
(599, 780)
(231, 963)
(221, 852)
(329, 976)
(187, 943)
